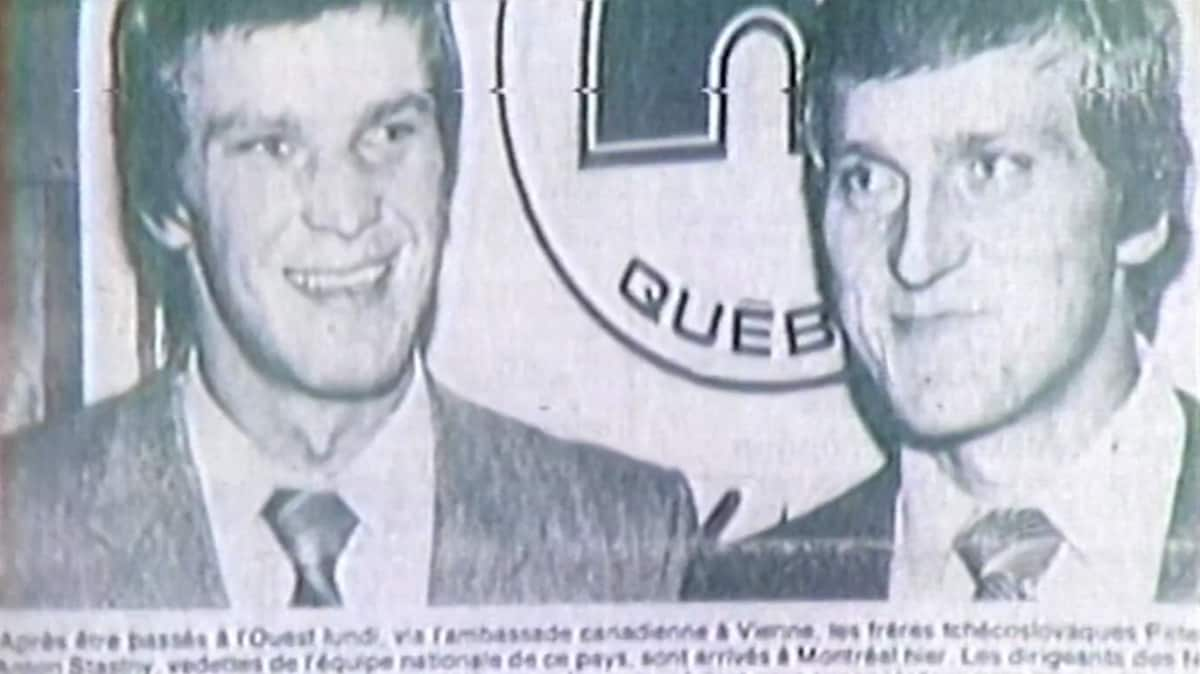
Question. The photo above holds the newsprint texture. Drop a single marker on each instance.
(730, 336)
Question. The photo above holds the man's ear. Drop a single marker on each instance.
(173, 231)
(1141, 247)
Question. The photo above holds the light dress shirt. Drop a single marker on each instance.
(1112, 503)
(388, 485)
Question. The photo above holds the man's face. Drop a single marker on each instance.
(969, 228)
(314, 172)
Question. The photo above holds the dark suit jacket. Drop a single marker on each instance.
(843, 549)
(104, 509)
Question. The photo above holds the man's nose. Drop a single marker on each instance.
(930, 244)
(340, 199)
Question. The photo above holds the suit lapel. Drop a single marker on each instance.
(842, 550)
(848, 545)
(477, 551)
(148, 516)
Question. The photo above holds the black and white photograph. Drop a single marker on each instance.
(384, 305)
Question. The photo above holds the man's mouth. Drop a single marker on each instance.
(923, 316)
(915, 312)
(322, 283)
(919, 322)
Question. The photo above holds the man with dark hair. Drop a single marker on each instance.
(1000, 188)
(287, 165)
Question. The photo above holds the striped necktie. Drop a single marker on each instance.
(313, 528)
(1007, 552)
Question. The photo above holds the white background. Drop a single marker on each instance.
(510, 336)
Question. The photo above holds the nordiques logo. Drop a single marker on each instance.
(659, 168)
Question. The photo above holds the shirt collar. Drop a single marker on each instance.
(232, 468)
(1112, 503)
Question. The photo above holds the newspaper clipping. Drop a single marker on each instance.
(727, 336)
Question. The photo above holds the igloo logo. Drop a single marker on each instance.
(654, 150)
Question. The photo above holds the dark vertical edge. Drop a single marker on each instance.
(6, 214)
(7, 208)
(49, 80)
(149, 332)
(63, 364)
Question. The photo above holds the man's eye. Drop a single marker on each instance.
(871, 186)
(387, 142)
(857, 179)
(272, 146)
(994, 172)
(390, 133)
(398, 131)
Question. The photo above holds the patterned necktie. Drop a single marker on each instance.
(313, 528)
(1007, 552)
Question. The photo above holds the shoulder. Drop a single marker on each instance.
(480, 440)
(865, 511)
(76, 447)
(1181, 554)
(526, 516)
(1185, 519)
(1191, 412)
(58, 479)
(70, 443)
(1186, 516)
(840, 550)
(526, 483)
(550, 519)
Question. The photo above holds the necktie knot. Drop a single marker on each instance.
(1008, 551)
(313, 529)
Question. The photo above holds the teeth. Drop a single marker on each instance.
(329, 282)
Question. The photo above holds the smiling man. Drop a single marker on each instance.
(1000, 188)
(287, 167)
